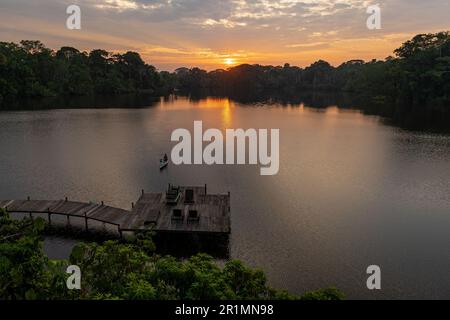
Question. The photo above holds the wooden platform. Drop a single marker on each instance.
(201, 213)
(92, 211)
(152, 209)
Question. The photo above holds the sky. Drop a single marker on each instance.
(214, 34)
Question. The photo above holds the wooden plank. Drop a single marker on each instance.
(5, 203)
(31, 205)
(73, 208)
(139, 222)
(213, 211)
(148, 206)
(110, 214)
(150, 212)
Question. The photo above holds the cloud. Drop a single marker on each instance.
(172, 33)
(222, 22)
(314, 45)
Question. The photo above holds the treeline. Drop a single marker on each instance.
(30, 69)
(123, 270)
(420, 71)
(412, 88)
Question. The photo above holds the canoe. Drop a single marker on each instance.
(163, 164)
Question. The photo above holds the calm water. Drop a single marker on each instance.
(351, 191)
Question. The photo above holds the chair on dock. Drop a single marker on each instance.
(172, 195)
(193, 216)
(189, 196)
(177, 215)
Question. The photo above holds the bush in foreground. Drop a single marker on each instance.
(114, 270)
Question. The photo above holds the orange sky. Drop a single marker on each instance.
(220, 33)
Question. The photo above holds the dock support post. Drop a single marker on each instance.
(86, 222)
(28, 198)
(66, 199)
(206, 189)
(142, 191)
(120, 232)
(132, 205)
(31, 216)
(229, 200)
(68, 220)
(49, 217)
(103, 203)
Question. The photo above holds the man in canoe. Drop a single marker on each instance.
(163, 162)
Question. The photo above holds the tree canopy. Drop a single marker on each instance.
(30, 69)
(124, 270)
(412, 88)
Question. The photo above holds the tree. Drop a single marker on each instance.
(114, 270)
(26, 271)
(30, 69)
(437, 42)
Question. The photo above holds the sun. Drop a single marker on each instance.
(229, 61)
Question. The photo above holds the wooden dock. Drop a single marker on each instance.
(199, 212)
(179, 210)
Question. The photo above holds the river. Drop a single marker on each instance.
(351, 191)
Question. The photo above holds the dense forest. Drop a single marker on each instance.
(123, 270)
(420, 70)
(30, 69)
(412, 88)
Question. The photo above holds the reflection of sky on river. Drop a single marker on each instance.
(350, 191)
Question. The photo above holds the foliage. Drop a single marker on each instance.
(412, 89)
(323, 294)
(123, 271)
(30, 69)
(25, 271)
(113, 270)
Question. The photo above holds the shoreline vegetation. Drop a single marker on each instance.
(113, 270)
(410, 89)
